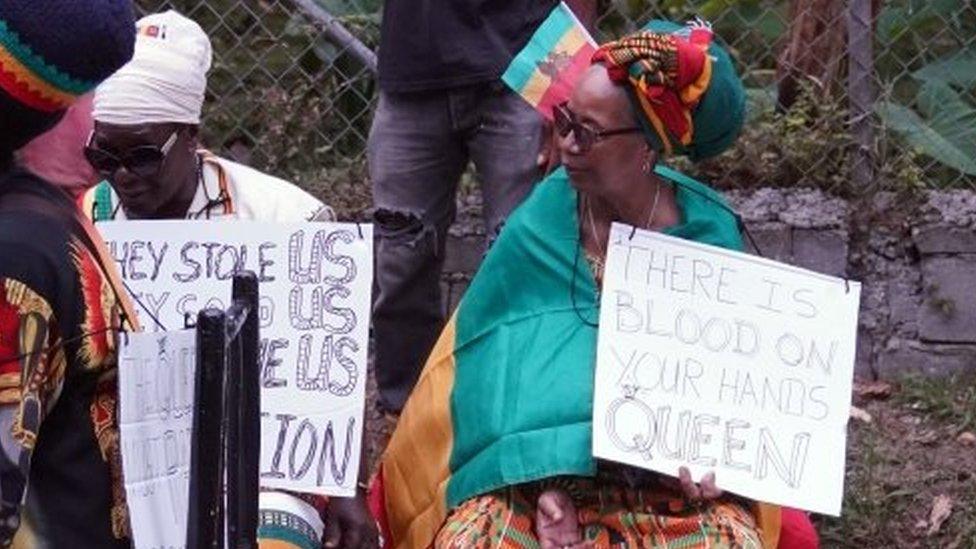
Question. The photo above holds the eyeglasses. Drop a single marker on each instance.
(142, 160)
(565, 121)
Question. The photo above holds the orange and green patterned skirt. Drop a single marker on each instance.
(610, 516)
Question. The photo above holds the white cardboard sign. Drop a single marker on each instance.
(156, 381)
(722, 361)
(315, 281)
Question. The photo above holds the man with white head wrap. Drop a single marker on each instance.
(145, 143)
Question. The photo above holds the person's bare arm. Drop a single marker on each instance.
(348, 522)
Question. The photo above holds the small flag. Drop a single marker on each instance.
(546, 70)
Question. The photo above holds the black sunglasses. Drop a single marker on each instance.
(143, 160)
(565, 121)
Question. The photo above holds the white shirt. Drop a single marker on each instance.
(248, 194)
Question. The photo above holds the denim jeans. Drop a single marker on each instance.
(419, 145)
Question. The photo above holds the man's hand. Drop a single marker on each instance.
(349, 525)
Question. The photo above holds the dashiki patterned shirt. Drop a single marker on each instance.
(58, 336)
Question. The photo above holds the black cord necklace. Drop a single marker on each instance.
(221, 199)
(572, 285)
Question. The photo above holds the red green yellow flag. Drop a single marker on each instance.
(545, 71)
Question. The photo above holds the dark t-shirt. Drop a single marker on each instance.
(440, 44)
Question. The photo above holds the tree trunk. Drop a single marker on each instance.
(814, 48)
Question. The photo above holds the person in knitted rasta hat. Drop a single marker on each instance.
(51, 53)
(60, 302)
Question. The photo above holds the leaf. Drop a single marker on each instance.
(896, 25)
(925, 438)
(922, 135)
(958, 69)
(949, 114)
(326, 50)
(944, 9)
(341, 8)
(760, 101)
(861, 415)
(891, 22)
(920, 11)
(873, 389)
(900, 493)
(941, 509)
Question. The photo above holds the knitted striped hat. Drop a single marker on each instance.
(51, 53)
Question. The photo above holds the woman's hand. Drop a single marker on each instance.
(706, 490)
(348, 524)
(556, 524)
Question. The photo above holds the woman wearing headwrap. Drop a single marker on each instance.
(60, 302)
(494, 448)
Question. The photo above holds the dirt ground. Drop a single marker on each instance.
(378, 428)
(911, 465)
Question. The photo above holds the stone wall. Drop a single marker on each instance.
(915, 256)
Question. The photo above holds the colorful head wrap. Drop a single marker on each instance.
(53, 52)
(683, 85)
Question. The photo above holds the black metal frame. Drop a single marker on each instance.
(226, 441)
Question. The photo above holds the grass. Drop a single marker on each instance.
(952, 400)
(907, 456)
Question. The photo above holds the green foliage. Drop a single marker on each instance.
(927, 67)
(957, 69)
(952, 401)
(946, 131)
(808, 145)
(300, 106)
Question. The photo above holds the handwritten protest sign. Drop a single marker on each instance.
(314, 282)
(156, 418)
(721, 361)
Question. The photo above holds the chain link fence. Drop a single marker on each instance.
(283, 96)
(845, 95)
